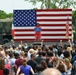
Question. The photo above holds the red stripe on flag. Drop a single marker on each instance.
(54, 15)
(54, 25)
(53, 20)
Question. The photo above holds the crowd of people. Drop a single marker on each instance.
(35, 59)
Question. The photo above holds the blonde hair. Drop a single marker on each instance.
(67, 62)
(22, 53)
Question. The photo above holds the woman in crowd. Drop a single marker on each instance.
(4, 69)
(24, 68)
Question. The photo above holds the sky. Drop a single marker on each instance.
(9, 5)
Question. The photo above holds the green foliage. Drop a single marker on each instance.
(74, 19)
(4, 15)
(10, 15)
(55, 3)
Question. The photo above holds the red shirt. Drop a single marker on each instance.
(1, 72)
(18, 62)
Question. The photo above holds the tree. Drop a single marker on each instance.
(74, 19)
(10, 15)
(55, 3)
(2, 14)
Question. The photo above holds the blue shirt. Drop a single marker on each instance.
(25, 69)
(37, 29)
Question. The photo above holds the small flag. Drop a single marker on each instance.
(67, 28)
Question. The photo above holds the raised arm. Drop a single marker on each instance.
(61, 44)
(70, 43)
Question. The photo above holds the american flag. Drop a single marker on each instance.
(52, 21)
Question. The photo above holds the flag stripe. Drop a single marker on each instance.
(58, 12)
(44, 27)
(43, 32)
(53, 20)
(22, 30)
(55, 25)
(42, 35)
(54, 15)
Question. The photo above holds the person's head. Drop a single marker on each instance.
(22, 54)
(50, 71)
(39, 53)
(11, 55)
(24, 61)
(1, 48)
(66, 54)
(19, 47)
(33, 56)
(43, 53)
(44, 64)
(6, 47)
(31, 50)
(37, 24)
(59, 52)
(39, 68)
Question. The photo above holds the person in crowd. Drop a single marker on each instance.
(37, 30)
(19, 49)
(24, 68)
(2, 50)
(61, 66)
(38, 69)
(12, 63)
(44, 64)
(18, 61)
(32, 61)
(4, 68)
(39, 58)
(31, 51)
(74, 68)
(69, 66)
(12, 60)
(44, 55)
